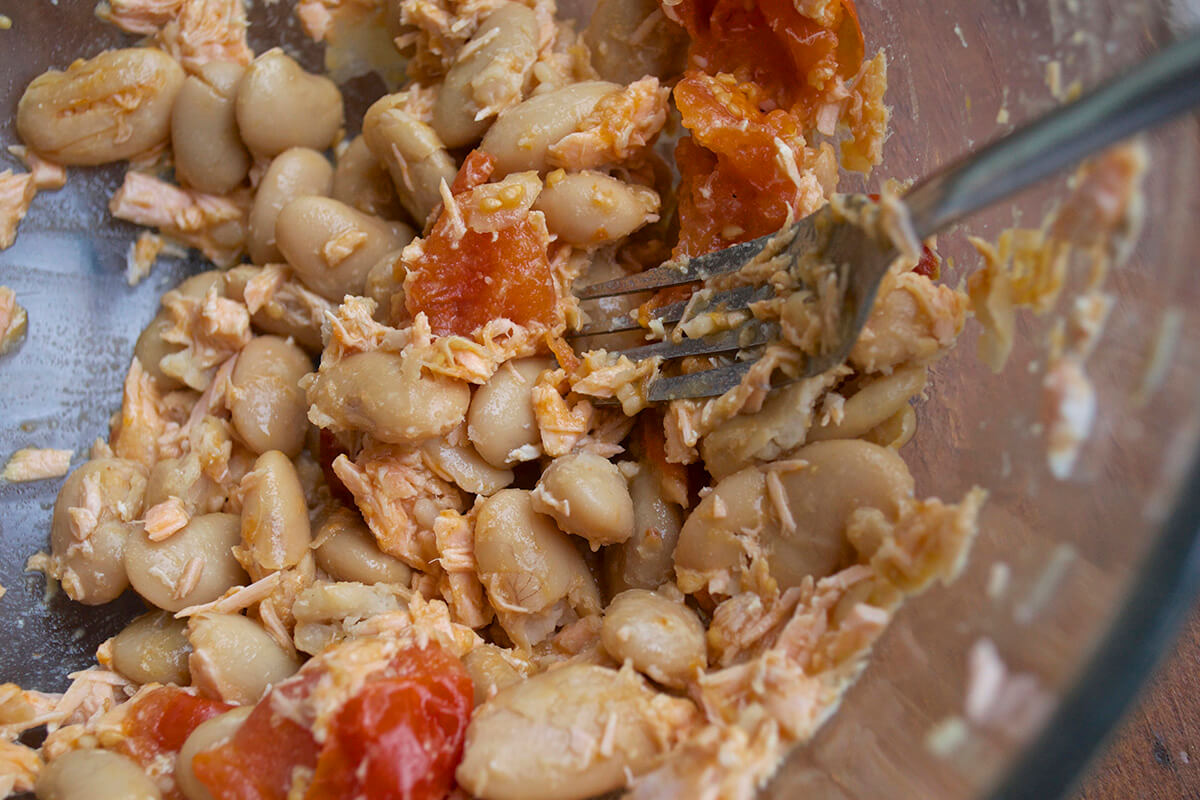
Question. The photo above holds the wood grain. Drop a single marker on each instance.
(1156, 753)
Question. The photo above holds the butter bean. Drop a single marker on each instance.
(280, 106)
(235, 659)
(332, 247)
(587, 496)
(521, 744)
(663, 639)
(522, 135)
(108, 108)
(361, 180)
(194, 565)
(500, 422)
(207, 735)
(209, 154)
(153, 649)
(414, 155)
(275, 530)
(89, 545)
(389, 397)
(492, 74)
(347, 551)
(267, 405)
(591, 208)
(299, 172)
(94, 775)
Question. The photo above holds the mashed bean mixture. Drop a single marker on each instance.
(398, 536)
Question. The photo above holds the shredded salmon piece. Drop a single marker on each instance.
(143, 253)
(914, 321)
(210, 328)
(136, 435)
(139, 16)
(216, 225)
(562, 425)
(164, 519)
(454, 538)
(621, 125)
(37, 464)
(47, 175)
(867, 117)
(440, 29)
(19, 768)
(13, 320)
(16, 193)
(389, 483)
(236, 599)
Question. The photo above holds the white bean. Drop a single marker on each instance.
(332, 247)
(521, 136)
(235, 659)
(800, 521)
(587, 496)
(414, 155)
(108, 108)
(647, 559)
(90, 548)
(523, 744)
(389, 397)
(280, 106)
(194, 565)
(94, 775)
(591, 208)
(492, 74)
(298, 172)
(529, 568)
(209, 154)
(462, 466)
(501, 422)
(152, 649)
(664, 639)
(207, 735)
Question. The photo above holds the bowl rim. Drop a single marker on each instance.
(1162, 594)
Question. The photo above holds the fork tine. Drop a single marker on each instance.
(751, 334)
(709, 383)
(736, 299)
(674, 273)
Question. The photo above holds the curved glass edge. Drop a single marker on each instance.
(1162, 595)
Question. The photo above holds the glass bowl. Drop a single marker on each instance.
(1074, 585)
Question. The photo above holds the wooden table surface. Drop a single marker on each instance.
(1156, 753)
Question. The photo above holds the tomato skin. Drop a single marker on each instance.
(462, 283)
(401, 737)
(161, 720)
(759, 73)
(476, 168)
(259, 761)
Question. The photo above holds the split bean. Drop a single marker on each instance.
(209, 154)
(108, 108)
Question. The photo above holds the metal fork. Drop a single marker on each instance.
(1161, 87)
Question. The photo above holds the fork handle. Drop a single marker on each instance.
(1159, 88)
